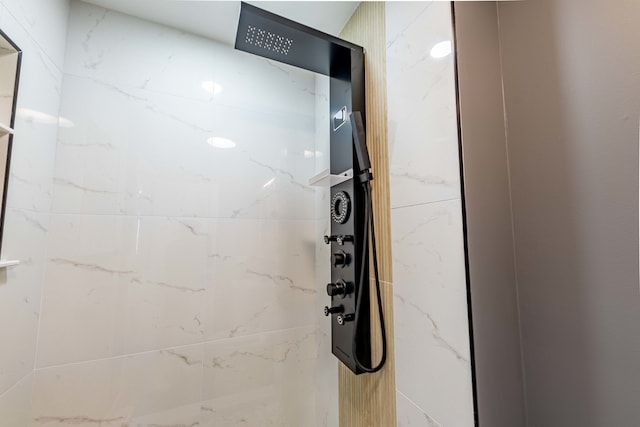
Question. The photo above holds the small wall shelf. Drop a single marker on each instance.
(325, 179)
(4, 130)
(4, 263)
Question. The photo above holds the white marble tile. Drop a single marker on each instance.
(249, 81)
(264, 379)
(188, 415)
(423, 139)
(34, 143)
(131, 390)
(327, 372)
(20, 289)
(44, 21)
(15, 404)
(118, 285)
(409, 415)
(147, 153)
(129, 52)
(430, 310)
(326, 378)
(261, 277)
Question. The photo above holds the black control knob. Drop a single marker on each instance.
(329, 239)
(340, 259)
(338, 288)
(344, 318)
(331, 310)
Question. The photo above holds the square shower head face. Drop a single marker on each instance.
(271, 36)
(267, 40)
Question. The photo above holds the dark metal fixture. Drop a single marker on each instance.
(274, 37)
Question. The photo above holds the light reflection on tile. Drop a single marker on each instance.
(159, 240)
(433, 369)
(423, 141)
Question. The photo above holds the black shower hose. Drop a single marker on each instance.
(369, 225)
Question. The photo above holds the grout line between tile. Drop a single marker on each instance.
(35, 42)
(425, 203)
(173, 217)
(22, 378)
(202, 343)
(417, 406)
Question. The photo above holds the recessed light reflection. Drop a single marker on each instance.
(211, 87)
(309, 154)
(65, 123)
(35, 116)
(268, 183)
(442, 49)
(218, 142)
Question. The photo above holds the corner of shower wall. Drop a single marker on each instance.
(180, 274)
(39, 29)
(370, 399)
(434, 372)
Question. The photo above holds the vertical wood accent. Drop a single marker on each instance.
(369, 400)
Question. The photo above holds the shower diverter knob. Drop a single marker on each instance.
(340, 259)
(331, 310)
(338, 288)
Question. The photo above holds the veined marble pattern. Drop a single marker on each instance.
(261, 277)
(46, 23)
(118, 285)
(34, 143)
(130, 391)
(20, 290)
(409, 415)
(155, 55)
(326, 375)
(265, 380)
(423, 141)
(432, 334)
(147, 153)
(38, 29)
(433, 370)
(179, 282)
(140, 284)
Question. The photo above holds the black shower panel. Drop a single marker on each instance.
(273, 37)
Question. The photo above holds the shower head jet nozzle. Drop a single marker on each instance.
(271, 36)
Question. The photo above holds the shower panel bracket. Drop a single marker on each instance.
(276, 38)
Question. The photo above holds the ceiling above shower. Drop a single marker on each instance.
(218, 20)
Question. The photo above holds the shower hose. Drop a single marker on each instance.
(369, 226)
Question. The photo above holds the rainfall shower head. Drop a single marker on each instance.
(265, 39)
(271, 36)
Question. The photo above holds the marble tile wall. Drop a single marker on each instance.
(327, 372)
(39, 29)
(433, 372)
(179, 279)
